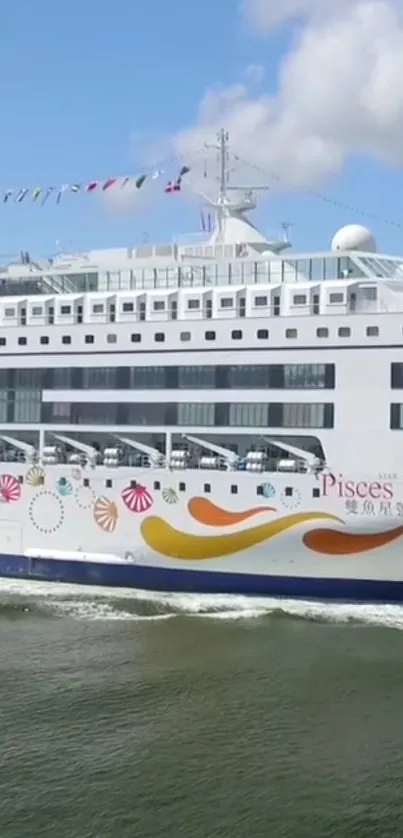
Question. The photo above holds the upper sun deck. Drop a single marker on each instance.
(148, 268)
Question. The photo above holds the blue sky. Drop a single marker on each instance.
(81, 79)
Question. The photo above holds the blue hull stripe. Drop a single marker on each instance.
(198, 581)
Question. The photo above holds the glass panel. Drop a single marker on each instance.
(196, 414)
(303, 415)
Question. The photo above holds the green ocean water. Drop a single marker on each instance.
(125, 715)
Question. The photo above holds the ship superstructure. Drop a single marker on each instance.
(170, 406)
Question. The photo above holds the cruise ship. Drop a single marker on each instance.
(219, 416)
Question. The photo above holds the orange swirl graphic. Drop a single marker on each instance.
(206, 512)
(335, 543)
(166, 540)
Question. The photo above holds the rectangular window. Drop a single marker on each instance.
(193, 305)
(260, 301)
(336, 298)
(227, 302)
(98, 308)
(127, 308)
(62, 378)
(146, 378)
(262, 334)
(344, 332)
(248, 415)
(196, 414)
(301, 415)
(291, 333)
(27, 405)
(66, 339)
(305, 376)
(65, 309)
(396, 417)
(185, 337)
(299, 300)
(100, 378)
(111, 338)
(136, 338)
(396, 376)
(44, 340)
(322, 332)
(22, 341)
(236, 334)
(37, 311)
(89, 339)
(196, 377)
(9, 312)
(209, 335)
(159, 305)
(372, 331)
(159, 337)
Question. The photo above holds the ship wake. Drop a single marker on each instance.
(54, 600)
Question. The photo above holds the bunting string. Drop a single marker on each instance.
(40, 194)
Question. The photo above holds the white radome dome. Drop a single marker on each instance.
(354, 237)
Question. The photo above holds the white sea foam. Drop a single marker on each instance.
(109, 604)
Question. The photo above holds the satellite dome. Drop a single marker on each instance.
(354, 237)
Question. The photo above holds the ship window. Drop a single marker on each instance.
(127, 307)
(260, 301)
(291, 333)
(209, 335)
(288, 491)
(182, 487)
(207, 488)
(322, 332)
(136, 338)
(193, 304)
(108, 483)
(3, 341)
(37, 311)
(372, 331)
(20, 478)
(299, 299)
(133, 484)
(65, 309)
(98, 308)
(159, 337)
(259, 490)
(89, 339)
(227, 302)
(159, 305)
(336, 298)
(185, 336)
(157, 485)
(370, 293)
(234, 490)
(344, 332)
(236, 334)
(9, 312)
(111, 338)
(44, 339)
(22, 341)
(66, 339)
(316, 492)
(262, 334)
(86, 482)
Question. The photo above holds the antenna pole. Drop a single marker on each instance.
(222, 147)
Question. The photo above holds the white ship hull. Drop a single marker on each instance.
(226, 532)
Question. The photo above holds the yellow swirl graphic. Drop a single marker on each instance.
(166, 540)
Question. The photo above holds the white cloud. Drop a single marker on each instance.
(340, 92)
(264, 15)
